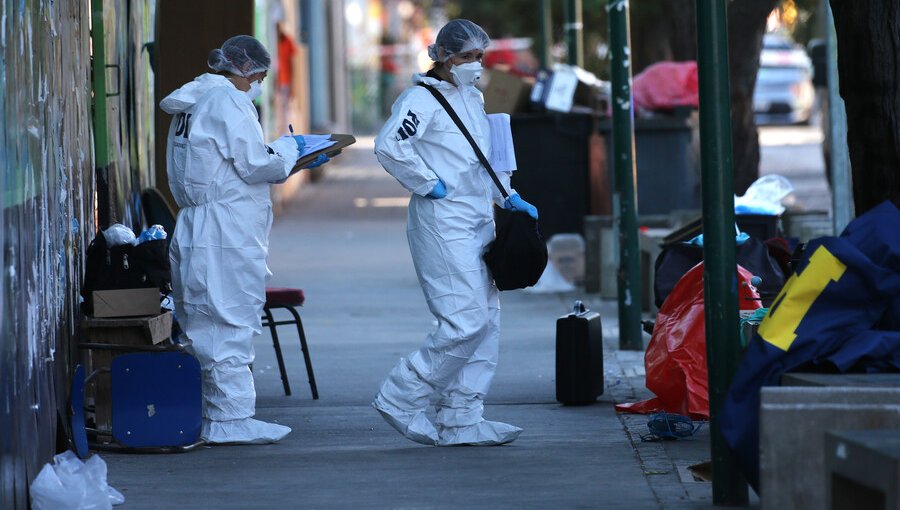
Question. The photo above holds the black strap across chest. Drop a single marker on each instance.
(443, 100)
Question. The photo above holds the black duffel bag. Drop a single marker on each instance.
(124, 266)
(518, 255)
(753, 255)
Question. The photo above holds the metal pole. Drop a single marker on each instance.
(723, 348)
(841, 183)
(574, 26)
(546, 35)
(101, 135)
(624, 197)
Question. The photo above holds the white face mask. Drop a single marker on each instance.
(466, 74)
(255, 90)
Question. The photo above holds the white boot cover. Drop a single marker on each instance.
(414, 426)
(242, 431)
(402, 401)
(484, 433)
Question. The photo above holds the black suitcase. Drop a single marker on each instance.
(579, 357)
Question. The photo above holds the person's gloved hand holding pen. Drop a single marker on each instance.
(301, 143)
(320, 160)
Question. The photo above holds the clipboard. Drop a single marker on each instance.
(341, 141)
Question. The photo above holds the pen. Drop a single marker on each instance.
(291, 129)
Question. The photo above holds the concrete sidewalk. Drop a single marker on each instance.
(343, 241)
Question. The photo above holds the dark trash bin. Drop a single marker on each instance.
(560, 168)
(668, 171)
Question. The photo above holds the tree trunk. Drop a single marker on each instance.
(676, 37)
(868, 35)
(682, 16)
(746, 25)
(662, 30)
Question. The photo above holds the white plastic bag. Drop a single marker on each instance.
(764, 196)
(69, 484)
(118, 234)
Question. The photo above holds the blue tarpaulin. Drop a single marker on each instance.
(840, 312)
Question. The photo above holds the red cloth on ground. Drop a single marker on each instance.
(675, 360)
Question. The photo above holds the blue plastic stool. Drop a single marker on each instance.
(155, 404)
(76, 408)
(155, 399)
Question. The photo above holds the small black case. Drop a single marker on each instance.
(579, 357)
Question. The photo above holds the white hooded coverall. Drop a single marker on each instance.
(419, 145)
(219, 171)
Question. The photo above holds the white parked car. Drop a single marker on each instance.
(784, 91)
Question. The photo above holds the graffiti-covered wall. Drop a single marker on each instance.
(49, 205)
(128, 27)
(47, 210)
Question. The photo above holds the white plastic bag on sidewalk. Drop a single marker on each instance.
(67, 483)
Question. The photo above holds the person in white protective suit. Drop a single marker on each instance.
(450, 224)
(220, 170)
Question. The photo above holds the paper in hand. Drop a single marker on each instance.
(503, 154)
(315, 143)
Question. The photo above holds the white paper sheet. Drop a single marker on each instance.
(503, 153)
(316, 143)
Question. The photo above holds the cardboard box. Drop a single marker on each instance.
(569, 88)
(137, 332)
(503, 92)
(126, 302)
(131, 331)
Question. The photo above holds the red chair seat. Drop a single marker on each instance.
(284, 296)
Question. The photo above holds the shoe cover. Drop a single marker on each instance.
(243, 431)
(484, 433)
(414, 425)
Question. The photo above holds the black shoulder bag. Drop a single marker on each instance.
(518, 256)
(125, 266)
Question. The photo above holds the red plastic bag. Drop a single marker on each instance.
(665, 85)
(675, 360)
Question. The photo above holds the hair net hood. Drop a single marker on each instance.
(241, 55)
(458, 36)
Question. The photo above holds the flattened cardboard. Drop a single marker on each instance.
(126, 302)
(503, 92)
(138, 331)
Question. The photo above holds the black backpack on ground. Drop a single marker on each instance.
(753, 255)
(125, 266)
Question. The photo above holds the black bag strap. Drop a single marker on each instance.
(443, 100)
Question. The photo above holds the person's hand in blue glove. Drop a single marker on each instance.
(320, 160)
(515, 203)
(301, 143)
(438, 191)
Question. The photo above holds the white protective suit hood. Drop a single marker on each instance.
(220, 170)
(420, 145)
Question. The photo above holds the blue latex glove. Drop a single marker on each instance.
(301, 143)
(320, 160)
(515, 203)
(438, 191)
